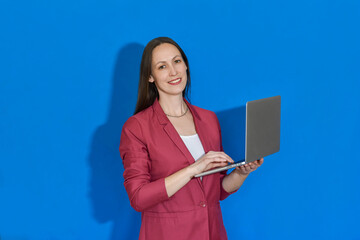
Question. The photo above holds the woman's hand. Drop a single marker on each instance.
(249, 167)
(177, 180)
(210, 160)
(236, 178)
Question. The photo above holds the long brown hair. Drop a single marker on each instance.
(147, 92)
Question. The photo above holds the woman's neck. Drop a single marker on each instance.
(173, 105)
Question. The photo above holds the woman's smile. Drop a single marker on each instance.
(175, 81)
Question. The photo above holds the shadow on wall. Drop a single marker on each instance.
(233, 123)
(106, 191)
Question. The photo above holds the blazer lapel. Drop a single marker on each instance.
(200, 130)
(171, 132)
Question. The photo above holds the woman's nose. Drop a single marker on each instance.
(173, 70)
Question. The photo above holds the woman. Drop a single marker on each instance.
(165, 144)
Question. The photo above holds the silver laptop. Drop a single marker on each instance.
(262, 133)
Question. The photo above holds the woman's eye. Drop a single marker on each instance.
(162, 67)
(177, 60)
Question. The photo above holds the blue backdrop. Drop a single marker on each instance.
(68, 82)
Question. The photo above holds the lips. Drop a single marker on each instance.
(175, 81)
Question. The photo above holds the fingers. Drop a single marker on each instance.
(215, 165)
(248, 168)
(211, 160)
(259, 162)
(243, 169)
(254, 166)
(223, 155)
(228, 157)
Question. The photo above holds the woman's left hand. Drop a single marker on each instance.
(249, 167)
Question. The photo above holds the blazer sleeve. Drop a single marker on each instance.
(142, 191)
(223, 193)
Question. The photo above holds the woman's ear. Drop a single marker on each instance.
(151, 79)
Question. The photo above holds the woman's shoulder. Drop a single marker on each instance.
(139, 119)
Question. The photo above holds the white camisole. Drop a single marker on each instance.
(194, 146)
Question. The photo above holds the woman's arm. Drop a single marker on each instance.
(236, 178)
(143, 192)
(176, 181)
(230, 183)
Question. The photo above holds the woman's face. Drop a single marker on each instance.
(168, 70)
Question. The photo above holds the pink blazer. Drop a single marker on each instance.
(151, 149)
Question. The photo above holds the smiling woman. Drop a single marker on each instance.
(148, 92)
(165, 144)
(168, 71)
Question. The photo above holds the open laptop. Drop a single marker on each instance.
(262, 132)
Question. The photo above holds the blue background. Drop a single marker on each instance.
(68, 82)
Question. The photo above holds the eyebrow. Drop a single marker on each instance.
(165, 61)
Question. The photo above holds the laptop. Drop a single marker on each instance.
(262, 132)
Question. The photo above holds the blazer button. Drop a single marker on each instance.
(202, 204)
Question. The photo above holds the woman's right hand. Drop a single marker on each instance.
(210, 160)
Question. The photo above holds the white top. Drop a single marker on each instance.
(194, 145)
